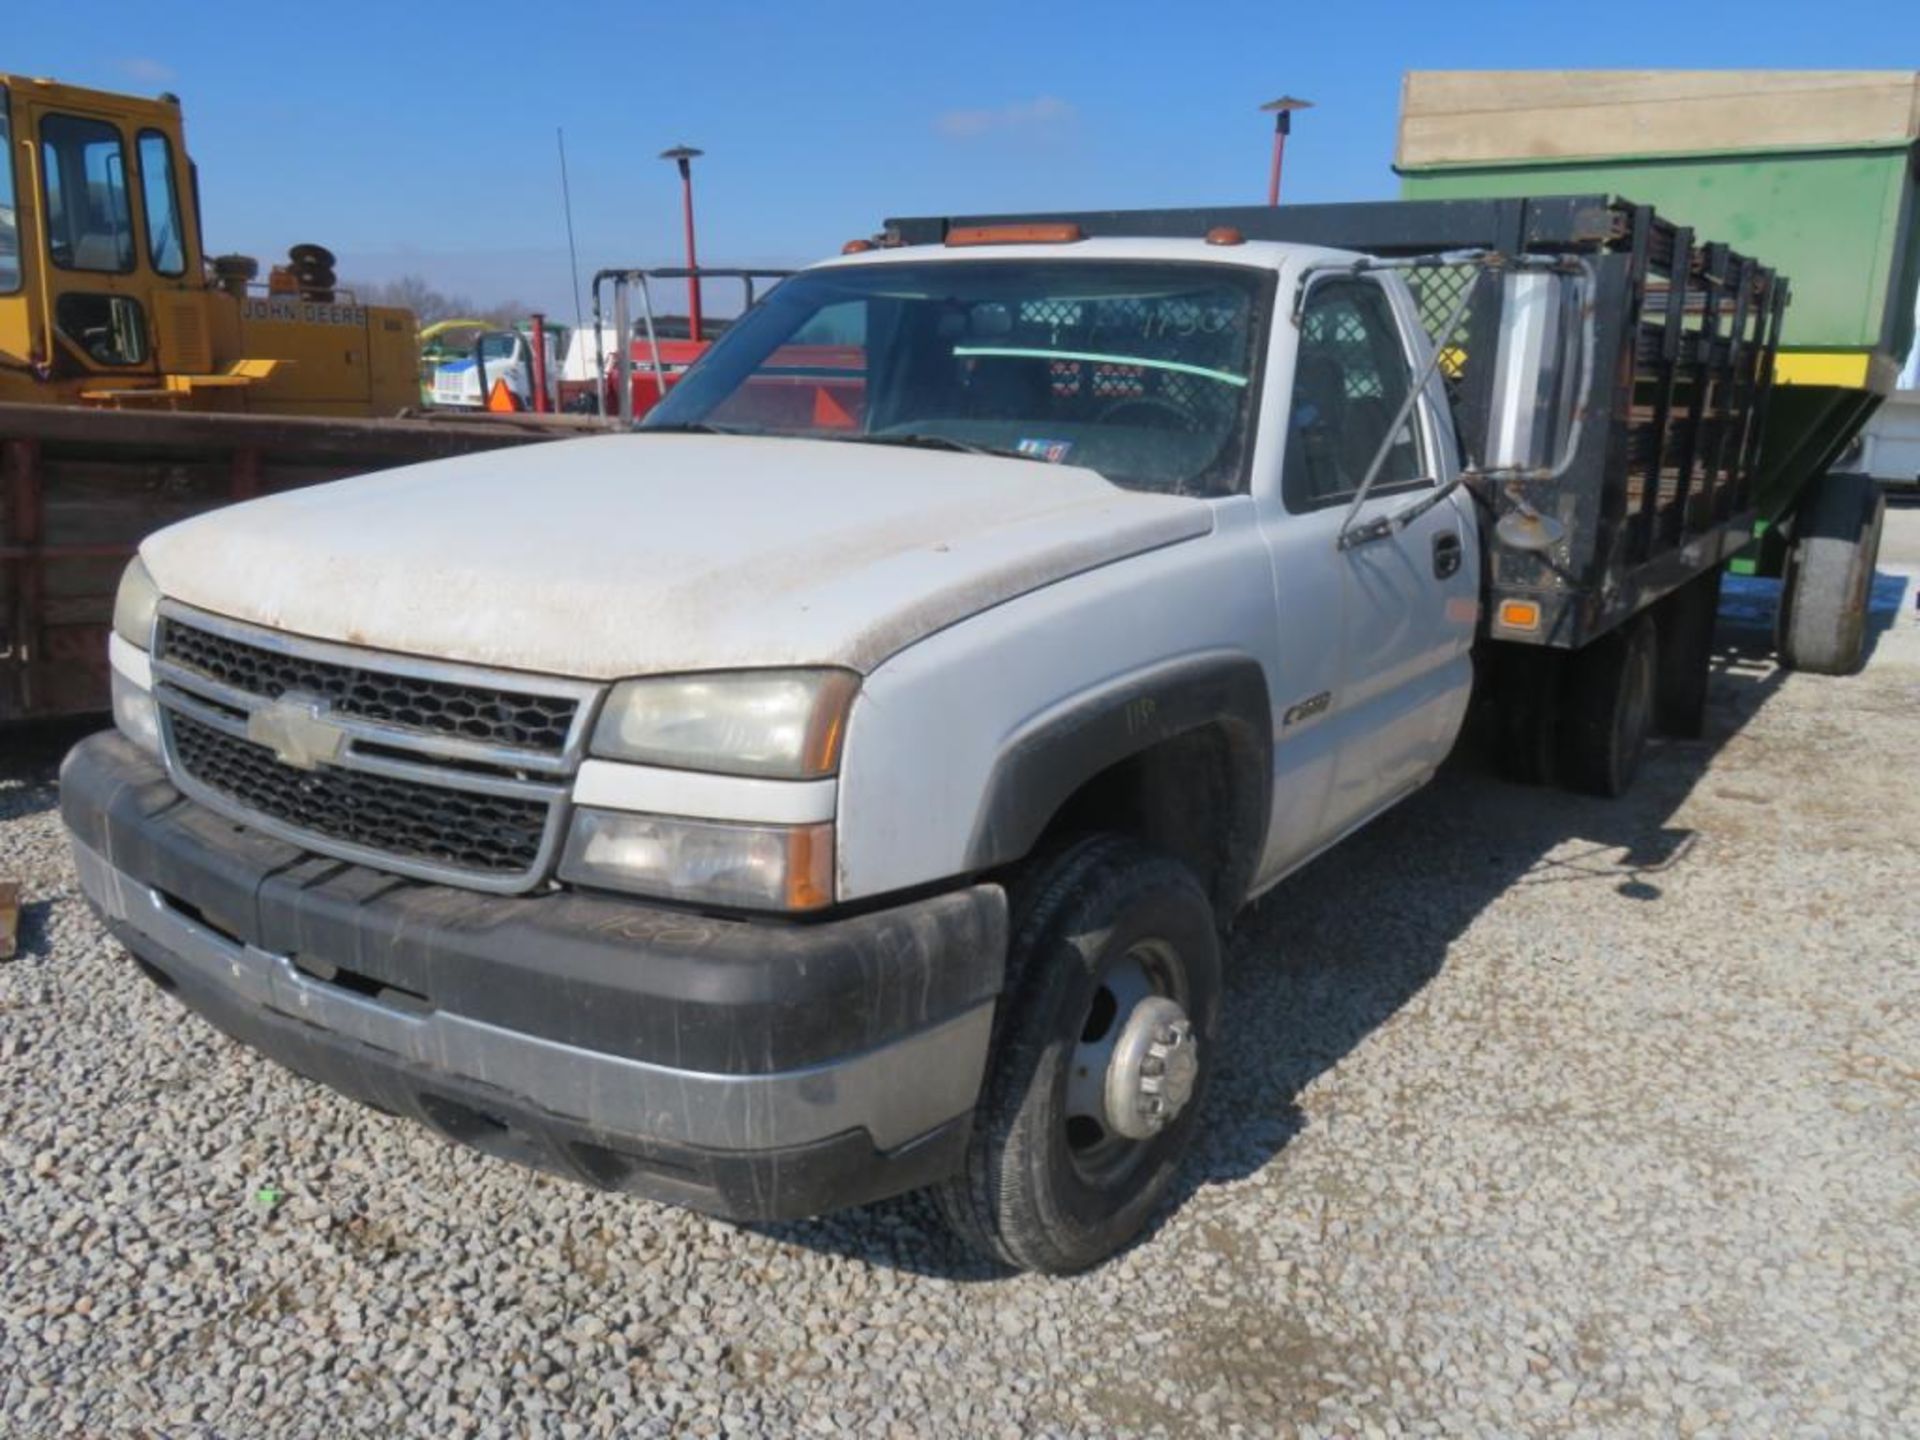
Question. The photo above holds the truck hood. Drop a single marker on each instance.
(647, 554)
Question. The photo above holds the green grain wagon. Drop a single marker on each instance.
(1815, 173)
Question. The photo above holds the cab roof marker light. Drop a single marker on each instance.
(1063, 232)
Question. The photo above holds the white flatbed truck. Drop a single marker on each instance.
(839, 784)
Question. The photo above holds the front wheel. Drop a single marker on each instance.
(1105, 1039)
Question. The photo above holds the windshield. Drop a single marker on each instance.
(1142, 371)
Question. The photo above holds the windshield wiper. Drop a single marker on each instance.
(907, 439)
(916, 441)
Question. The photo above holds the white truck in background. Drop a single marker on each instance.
(506, 356)
(840, 784)
(498, 357)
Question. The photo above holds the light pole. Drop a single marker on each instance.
(684, 156)
(1282, 112)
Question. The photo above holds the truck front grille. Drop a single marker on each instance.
(486, 834)
(445, 772)
(474, 712)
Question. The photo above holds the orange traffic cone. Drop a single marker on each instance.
(502, 399)
(829, 413)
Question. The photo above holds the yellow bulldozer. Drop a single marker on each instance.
(108, 299)
(141, 381)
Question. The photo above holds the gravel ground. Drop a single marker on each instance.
(1540, 1116)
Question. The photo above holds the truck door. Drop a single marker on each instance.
(1406, 602)
(86, 210)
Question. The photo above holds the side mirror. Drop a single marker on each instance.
(1540, 375)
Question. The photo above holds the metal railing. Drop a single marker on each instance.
(626, 280)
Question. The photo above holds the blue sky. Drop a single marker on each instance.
(420, 137)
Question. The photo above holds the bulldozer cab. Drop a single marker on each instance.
(105, 293)
(97, 224)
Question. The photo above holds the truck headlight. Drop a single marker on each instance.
(781, 724)
(135, 605)
(758, 867)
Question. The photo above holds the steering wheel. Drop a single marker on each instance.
(1184, 420)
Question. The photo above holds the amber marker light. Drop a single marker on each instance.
(1062, 232)
(809, 867)
(827, 727)
(1520, 614)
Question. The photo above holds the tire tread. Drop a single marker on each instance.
(989, 1204)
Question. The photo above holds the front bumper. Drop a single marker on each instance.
(750, 1069)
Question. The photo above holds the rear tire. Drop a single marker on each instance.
(1609, 709)
(1045, 1187)
(1529, 681)
(1685, 621)
(1829, 576)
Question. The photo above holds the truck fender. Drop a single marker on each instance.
(1050, 758)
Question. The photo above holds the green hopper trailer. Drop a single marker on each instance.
(1816, 173)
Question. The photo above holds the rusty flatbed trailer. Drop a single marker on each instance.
(79, 488)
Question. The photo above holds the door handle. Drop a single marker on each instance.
(1446, 554)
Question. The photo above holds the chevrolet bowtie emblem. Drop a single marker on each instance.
(297, 730)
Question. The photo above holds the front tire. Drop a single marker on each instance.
(1102, 1050)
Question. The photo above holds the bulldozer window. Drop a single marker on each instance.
(9, 218)
(84, 175)
(108, 329)
(166, 250)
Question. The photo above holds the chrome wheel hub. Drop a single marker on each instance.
(1155, 1062)
(1135, 1065)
